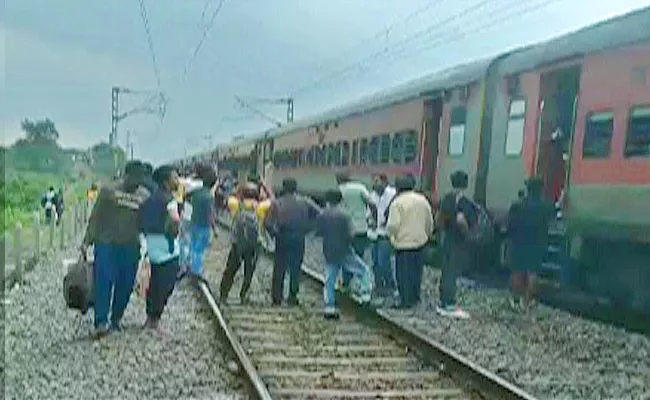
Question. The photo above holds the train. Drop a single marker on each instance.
(574, 111)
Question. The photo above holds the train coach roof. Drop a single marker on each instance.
(444, 79)
(619, 31)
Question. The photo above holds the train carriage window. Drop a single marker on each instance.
(410, 146)
(456, 144)
(337, 154)
(345, 156)
(320, 155)
(363, 152)
(354, 159)
(516, 125)
(331, 155)
(637, 142)
(598, 135)
(311, 156)
(384, 149)
(373, 150)
(397, 148)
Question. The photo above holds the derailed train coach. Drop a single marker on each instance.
(574, 110)
(594, 86)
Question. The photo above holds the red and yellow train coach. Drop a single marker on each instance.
(574, 110)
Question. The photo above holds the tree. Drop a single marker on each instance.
(40, 131)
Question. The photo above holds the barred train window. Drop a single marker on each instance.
(363, 152)
(516, 125)
(330, 155)
(354, 159)
(637, 142)
(456, 145)
(397, 148)
(373, 151)
(336, 154)
(410, 146)
(384, 149)
(346, 154)
(598, 135)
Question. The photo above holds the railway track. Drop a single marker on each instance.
(293, 353)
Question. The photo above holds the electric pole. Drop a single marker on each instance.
(247, 104)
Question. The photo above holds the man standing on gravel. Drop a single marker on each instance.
(288, 221)
(159, 222)
(528, 224)
(409, 226)
(382, 196)
(457, 214)
(113, 230)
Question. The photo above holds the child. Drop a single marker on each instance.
(335, 227)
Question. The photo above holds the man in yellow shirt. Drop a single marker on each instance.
(244, 235)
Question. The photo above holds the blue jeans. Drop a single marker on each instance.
(114, 276)
(199, 244)
(381, 258)
(359, 245)
(353, 265)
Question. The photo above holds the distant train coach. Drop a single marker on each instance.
(574, 111)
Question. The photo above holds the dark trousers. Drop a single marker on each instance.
(289, 253)
(455, 258)
(408, 271)
(359, 245)
(163, 280)
(235, 258)
(113, 275)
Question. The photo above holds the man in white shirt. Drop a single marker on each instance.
(382, 196)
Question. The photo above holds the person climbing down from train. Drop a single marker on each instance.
(288, 221)
(409, 227)
(457, 213)
(202, 220)
(528, 225)
(335, 227)
(382, 195)
(357, 201)
(160, 223)
(114, 232)
(244, 238)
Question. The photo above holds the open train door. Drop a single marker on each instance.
(559, 93)
(431, 125)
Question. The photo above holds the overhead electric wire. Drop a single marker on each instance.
(384, 32)
(409, 38)
(203, 38)
(453, 35)
(147, 29)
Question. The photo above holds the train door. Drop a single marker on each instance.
(559, 93)
(429, 150)
(267, 162)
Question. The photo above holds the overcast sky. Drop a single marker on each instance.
(61, 57)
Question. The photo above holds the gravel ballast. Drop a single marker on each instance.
(549, 353)
(49, 353)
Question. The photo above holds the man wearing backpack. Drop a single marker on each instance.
(457, 215)
(244, 241)
(288, 222)
(113, 230)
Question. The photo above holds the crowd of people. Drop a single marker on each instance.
(157, 219)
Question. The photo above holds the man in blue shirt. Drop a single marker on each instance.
(159, 223)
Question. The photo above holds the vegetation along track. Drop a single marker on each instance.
(293, 353)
